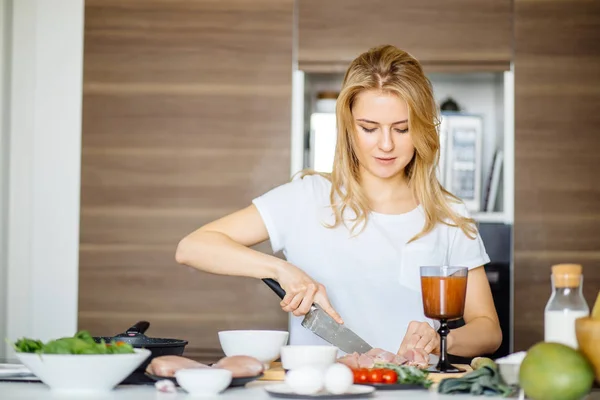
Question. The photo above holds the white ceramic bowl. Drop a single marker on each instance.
(265, 346)
(293, 357)
(509, 367)
(82, 373)
(203, 381)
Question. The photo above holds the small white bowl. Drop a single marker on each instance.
(265, 346)
(509, 367)
(296, 356)
(203, 381)
(83, 373)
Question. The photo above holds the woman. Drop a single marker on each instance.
(363, 231)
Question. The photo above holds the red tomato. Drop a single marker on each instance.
(361, 375)
(390, 376)
(376, 376)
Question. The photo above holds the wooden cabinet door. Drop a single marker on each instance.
(557, 150)
(434, 31)
(186, 118)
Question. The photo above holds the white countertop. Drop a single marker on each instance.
(252, 391)
(255, 390)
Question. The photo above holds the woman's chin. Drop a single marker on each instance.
(386, 173)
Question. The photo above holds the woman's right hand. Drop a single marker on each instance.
(302, 291)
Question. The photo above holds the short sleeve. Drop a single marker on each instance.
(281, 207)
(465, 251)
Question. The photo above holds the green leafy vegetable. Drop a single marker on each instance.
(408, 374)
(28, 345)
(81, 343)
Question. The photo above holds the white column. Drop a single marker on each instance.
(5, 16)
(297, 142)
(44, 168)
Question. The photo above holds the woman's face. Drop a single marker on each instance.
(383, 144)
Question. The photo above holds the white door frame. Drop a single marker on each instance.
(44, 137)
(5, 12)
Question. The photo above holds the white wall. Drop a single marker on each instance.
(5, 13)
(44, 168)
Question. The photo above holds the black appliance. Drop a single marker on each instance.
(497, 238)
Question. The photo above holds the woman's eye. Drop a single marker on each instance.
(402, 130)
(368, 130)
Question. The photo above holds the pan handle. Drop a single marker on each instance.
(275, 286)
(138, 329)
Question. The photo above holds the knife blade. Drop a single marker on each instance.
(324, 326)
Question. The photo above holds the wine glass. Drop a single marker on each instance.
(444, 291)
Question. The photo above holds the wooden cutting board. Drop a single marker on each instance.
(274, 373)
(277, 373)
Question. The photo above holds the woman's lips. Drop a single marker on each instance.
(385, 160)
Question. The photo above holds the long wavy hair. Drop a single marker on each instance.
(392, 70)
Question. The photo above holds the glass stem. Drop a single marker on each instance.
(443, 364)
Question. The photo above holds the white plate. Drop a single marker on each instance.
(7, 370)
(284, 391)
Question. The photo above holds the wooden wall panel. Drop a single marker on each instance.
(434, 31)
(557, 191)
(186, 117)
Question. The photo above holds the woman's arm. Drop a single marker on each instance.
(222, 247)
(481, 333)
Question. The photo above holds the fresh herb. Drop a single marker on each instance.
(81, 343)
(408, 375)
(28, 346)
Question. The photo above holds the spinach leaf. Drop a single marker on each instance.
(28, 345)
(59, 346)
(119, 348)
(81, 343)
(85, 335)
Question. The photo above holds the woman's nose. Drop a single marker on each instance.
(386, 142)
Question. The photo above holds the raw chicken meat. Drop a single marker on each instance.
(168, 365)
(241, 366)
(415, 357)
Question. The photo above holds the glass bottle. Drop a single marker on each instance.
(565, 305)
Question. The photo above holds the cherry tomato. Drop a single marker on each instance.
(390, 376)
(361, 375)
(376, 376)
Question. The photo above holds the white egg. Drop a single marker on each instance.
(305, 380)
(338, 379)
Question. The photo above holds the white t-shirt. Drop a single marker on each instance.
(372, 279)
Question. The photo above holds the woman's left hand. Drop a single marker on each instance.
(420, 335)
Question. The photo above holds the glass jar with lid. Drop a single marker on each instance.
(565, 305)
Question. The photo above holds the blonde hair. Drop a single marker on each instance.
(391, 70)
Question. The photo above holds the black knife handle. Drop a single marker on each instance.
(275, 286)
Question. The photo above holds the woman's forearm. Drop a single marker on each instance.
(480, 336)
(217, 253)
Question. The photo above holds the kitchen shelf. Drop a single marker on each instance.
(491, 217)
(488, 94)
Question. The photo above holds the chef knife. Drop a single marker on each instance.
(322, 325)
